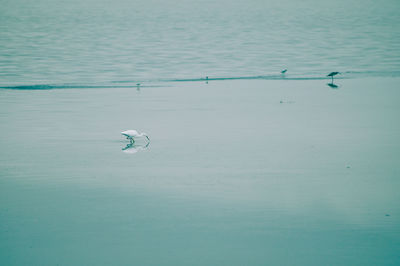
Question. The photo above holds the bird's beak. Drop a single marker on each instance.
(147, 138)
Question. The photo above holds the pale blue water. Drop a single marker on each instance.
(97, 42)
(251, 168)
(232, 176)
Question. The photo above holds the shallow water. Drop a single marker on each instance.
(255, 172)
(251, 168)
(96, 42)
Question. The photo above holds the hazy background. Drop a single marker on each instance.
(57, 42)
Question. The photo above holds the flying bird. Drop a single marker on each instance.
(133, 134)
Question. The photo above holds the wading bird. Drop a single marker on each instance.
(132, 134)
(332, 74)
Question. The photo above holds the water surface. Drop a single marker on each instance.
(58, 42)
(237, 173)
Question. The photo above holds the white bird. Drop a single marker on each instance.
(132, 134)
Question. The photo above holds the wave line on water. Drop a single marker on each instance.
(156, 82)
(70, 86)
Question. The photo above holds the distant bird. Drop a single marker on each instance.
(132, 134)
(283, 71)
(332, 74)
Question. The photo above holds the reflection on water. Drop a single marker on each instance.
(332, 85)
(134, 148)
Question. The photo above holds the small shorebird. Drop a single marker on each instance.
(132, 134)
(332, 74)
(283, 71)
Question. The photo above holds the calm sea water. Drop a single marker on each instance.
(232, 176)
(254, 171)
(97, 42)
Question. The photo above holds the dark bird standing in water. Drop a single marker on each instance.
(283, 71)
(332, 74)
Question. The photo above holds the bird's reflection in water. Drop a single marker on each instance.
(134, 148)
(333, 86)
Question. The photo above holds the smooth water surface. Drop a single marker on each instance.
(250, 168)
(237, 173)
